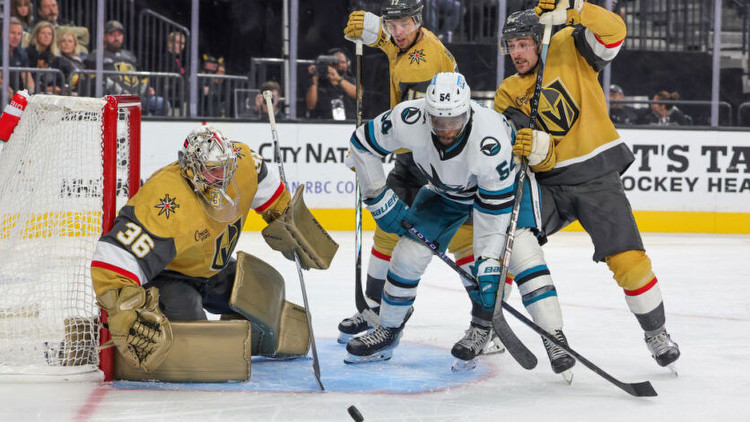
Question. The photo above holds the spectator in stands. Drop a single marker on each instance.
(260, 107)
(48, 11)
(42, 51)
(24, 11)
(213, 98)
(621, 114)
(331, 90)
(17, 58)
(70, 60)
(666, 114)
(174, 61)
(121, 60)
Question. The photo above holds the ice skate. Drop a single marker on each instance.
(559, 359)
(469, 347)
(356, 324)
(493, 346)
(374, 346)
(663, 350)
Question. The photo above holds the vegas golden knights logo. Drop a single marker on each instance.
(225, 244)
(557, 109)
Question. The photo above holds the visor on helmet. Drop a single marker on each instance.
(522, 41)
(448, 123)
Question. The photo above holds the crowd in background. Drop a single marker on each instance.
(58, 58)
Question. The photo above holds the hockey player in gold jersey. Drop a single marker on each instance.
(415, 55)
(168, 255)
(577, 154)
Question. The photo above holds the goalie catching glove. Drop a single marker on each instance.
(140, 331)
(559, 12)
(365, 26)
(538, 146)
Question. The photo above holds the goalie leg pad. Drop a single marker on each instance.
(297, 230)
(258, 295)
(204, 351)
(294, 336)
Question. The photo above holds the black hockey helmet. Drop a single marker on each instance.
(399, 9)
(524, 23)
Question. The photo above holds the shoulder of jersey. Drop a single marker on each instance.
(409, 112)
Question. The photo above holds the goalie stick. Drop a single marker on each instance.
(359, 297)
(639, 389)
(267, 95)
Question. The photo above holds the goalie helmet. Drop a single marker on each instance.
(208, 161)
(400, 9)
(524, 23)
(448, 104)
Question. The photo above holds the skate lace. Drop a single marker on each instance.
(378, 336)
(358, 318)
(660, 343)
(476, 337)
(554, 351)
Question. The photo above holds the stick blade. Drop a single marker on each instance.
(640, 389)
(512, 343)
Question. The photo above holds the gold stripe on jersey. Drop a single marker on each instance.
(572, 107)
(412, 70)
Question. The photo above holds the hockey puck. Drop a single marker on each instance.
(354, 413)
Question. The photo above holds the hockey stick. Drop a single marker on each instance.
(267, 95)
(522, 355)
(639, 389)
(359, 297)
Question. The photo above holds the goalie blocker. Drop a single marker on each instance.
(297, 230)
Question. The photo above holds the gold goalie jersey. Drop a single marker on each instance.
(167, 226)
(412, 70)
(572, 107)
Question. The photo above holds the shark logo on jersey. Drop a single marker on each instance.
(411, 115)
(225, 243)
(489, 146)
(434, 179)
(416, 56)
(168, 205)
(557, 109)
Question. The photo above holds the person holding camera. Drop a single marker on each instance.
(332, 90)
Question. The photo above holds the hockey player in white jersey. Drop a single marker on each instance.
(464, 150)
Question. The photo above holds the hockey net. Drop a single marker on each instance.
(69, 165)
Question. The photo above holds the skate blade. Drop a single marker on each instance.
(460, 365)
(376, 357)
(673, 367)
(567, 376)
(493, 347)
(344, 338)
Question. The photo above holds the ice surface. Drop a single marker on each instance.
(704, 280)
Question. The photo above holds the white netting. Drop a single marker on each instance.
(50, 221)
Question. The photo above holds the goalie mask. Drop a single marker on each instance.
(448, 106)
(208, 161)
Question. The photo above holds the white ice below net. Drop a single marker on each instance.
(50, 220)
